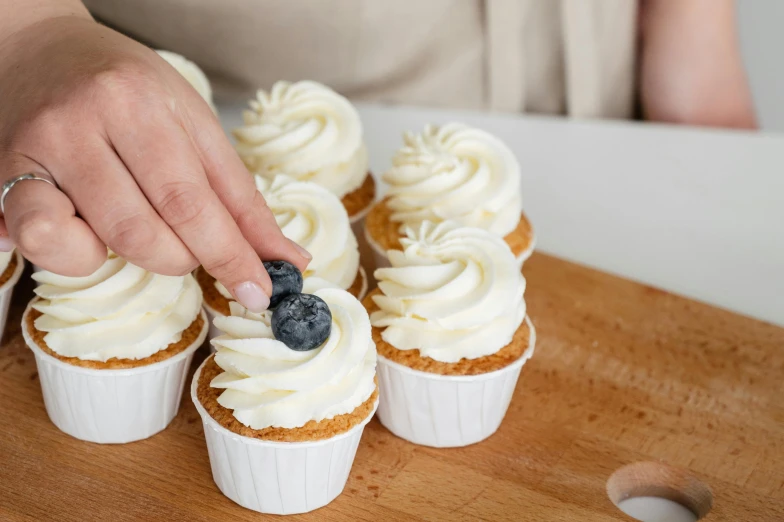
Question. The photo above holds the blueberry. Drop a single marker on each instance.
(286, 279)
(302, 322)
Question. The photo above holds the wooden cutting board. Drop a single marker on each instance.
(623, 373)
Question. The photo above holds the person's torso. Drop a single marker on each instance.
(552, 56)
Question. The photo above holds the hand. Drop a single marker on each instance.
(142, 164)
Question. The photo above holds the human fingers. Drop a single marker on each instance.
(41, 222)
(230, 180)
(162, 159)
(107, 196)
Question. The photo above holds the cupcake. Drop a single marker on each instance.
(311, 133)
(113, 348)
(312, 217)
(454, 173)
(192, 73)
(285, 399)
(449, 323)
(11, 268)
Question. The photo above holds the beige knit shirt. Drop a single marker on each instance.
(571, 57)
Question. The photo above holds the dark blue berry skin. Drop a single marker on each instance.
(302, 322)
(286, 279)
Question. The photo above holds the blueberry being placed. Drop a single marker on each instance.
(302, 322)
(286, 279)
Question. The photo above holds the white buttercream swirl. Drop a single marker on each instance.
(307, 131)
(452, 292)
(119, 311)
(455, 172)
(269, 385)
(315, 219)
(192, 73)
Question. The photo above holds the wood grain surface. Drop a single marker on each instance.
(622, 373)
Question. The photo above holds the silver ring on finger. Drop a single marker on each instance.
(11, 183)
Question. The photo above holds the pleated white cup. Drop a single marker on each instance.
(279, 478)
(212, 313)
(7, 290)
(112, 406)
(381, 260)
(446, 411)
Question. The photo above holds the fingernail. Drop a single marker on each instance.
(304, 253)
(6, 245)
(252, 296)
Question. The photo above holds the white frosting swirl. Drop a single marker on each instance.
(269, 385)
(5, 260)
(192, 73)
(307, 131)
(457, 173)
(120, 311)
(452, 292)
(315, 219)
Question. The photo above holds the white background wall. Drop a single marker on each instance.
(761, 24)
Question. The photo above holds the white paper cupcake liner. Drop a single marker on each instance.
(280, 478)
(7, 291)
(112, 406)
(381, 260)
(212, 313)
(445, 411)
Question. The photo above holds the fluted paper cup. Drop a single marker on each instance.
(7, 291)
(381, 260)
(280, 478)
(446, 411)
(112, 406)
